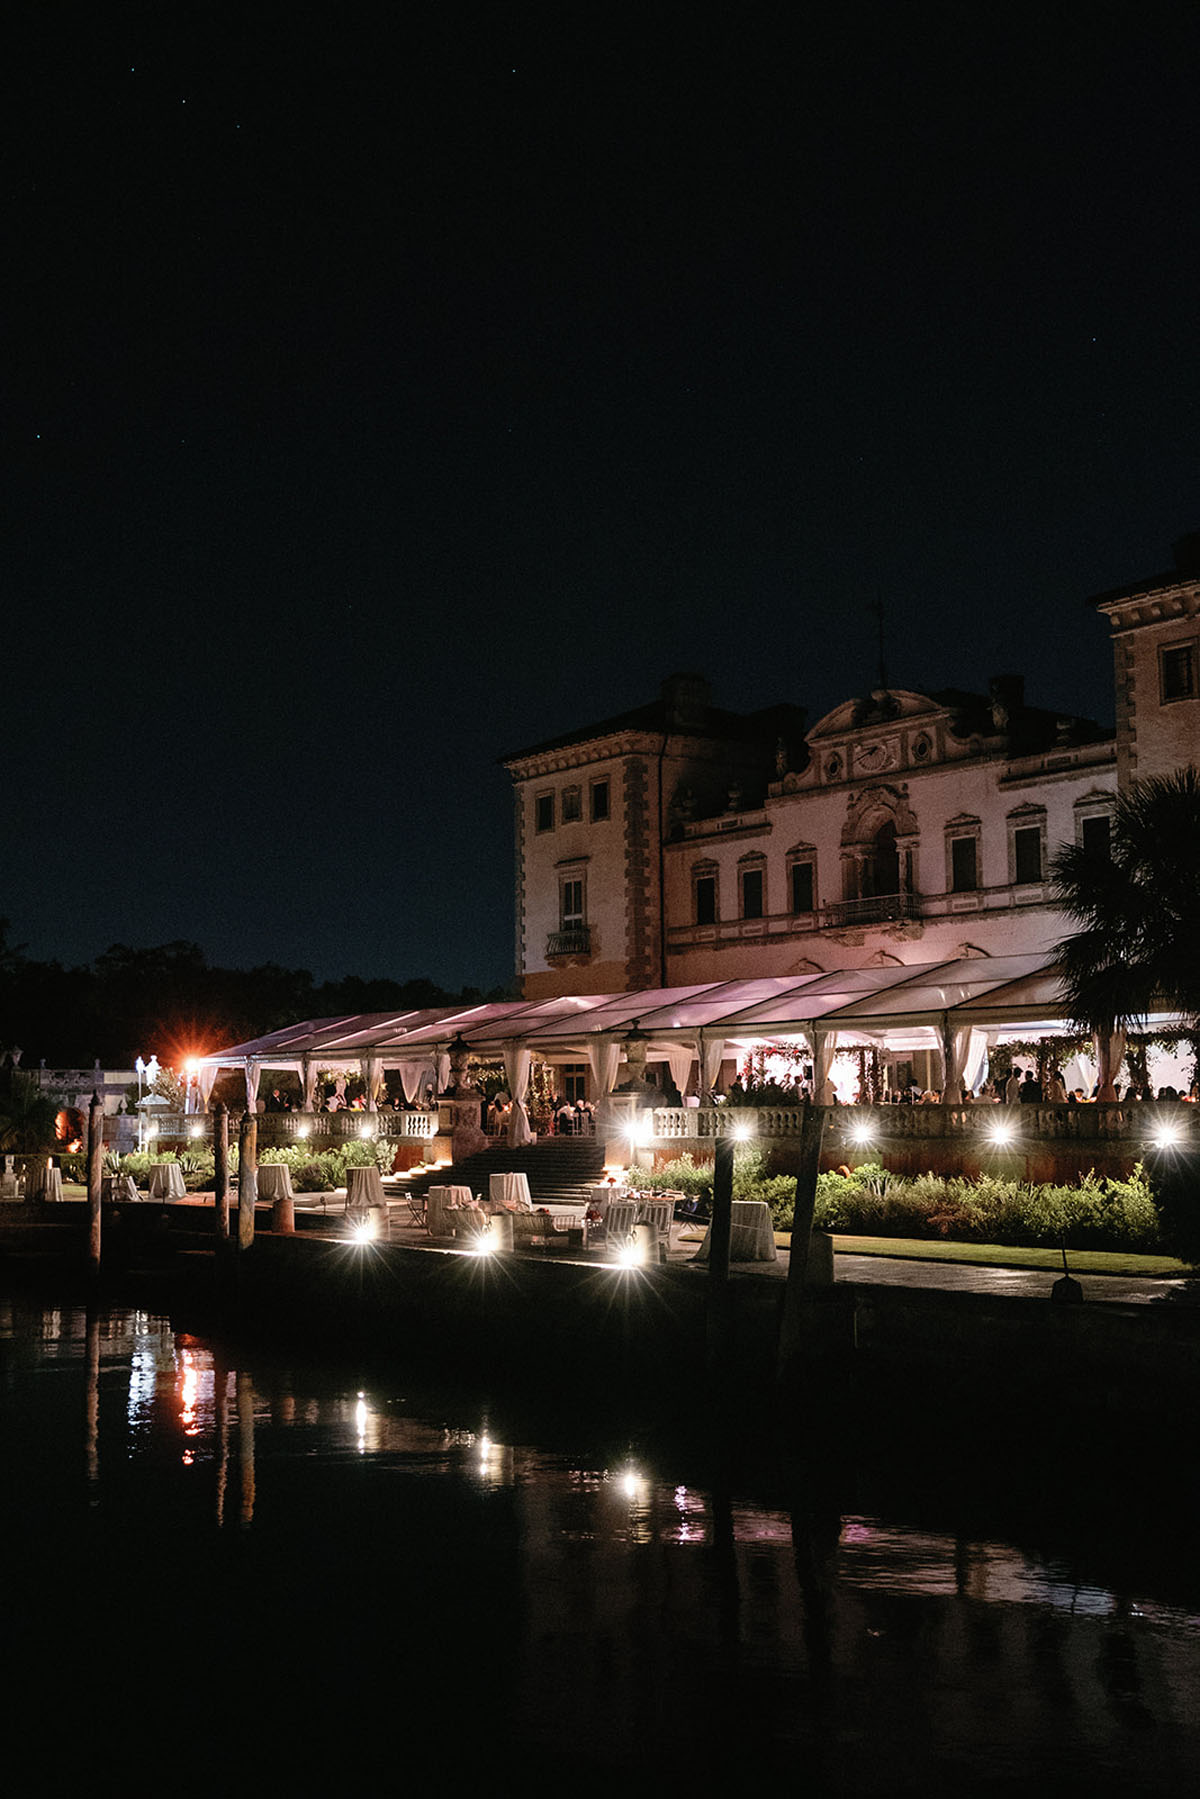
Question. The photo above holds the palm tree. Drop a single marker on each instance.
(1137, 949)
(26, 1115)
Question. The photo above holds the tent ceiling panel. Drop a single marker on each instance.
(716, 1006)
(619, 1012)
(1008, 995)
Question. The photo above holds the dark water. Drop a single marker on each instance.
(230, 1568)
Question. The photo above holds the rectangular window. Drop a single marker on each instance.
(572, 805)
(571, 912)
(1027, 854)
(706, 899)
(752, 893)
(599, 801)
(964, 872)
(574, 1081)
(1094, 836)
(543, 812)
(1178, 666)
(803, 887)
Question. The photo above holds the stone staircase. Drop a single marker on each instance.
(560, 1170)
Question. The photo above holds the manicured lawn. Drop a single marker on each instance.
(999, 1255)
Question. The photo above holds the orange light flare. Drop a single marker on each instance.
(189, 1393)
(68, 1127)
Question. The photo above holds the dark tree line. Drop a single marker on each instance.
(170, 1002)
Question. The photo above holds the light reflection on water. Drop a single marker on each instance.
(602, 1609)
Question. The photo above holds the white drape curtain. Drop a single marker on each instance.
(442, 1071)
(679, 1061)
(604, 1059)
(308, 1080)
(975, 1066)
(712, 1054)
(208, 1080)
(964, 1051)
(412, 1078)
(252, 1074)
(1109, 1047)
(821, 1055)
(372, 1074)
(517, 1060)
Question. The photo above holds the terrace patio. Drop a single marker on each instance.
(945, 1020)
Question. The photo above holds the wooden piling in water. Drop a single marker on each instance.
(797, 1290)
(719, 1318)
(247, 1179)
(95, 1170)
(221, 1170)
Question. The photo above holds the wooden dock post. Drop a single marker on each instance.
(719, 1335)
(221, 1170)
(95, 1169)
(247, 1179)
(796, 1290)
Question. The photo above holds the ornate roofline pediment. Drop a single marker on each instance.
(863, 719)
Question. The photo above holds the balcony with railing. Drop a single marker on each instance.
(576, 940)
(874, 908)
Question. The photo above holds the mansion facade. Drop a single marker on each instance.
(680, 843)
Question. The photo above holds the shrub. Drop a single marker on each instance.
(682, 1175)
(1096, 1213)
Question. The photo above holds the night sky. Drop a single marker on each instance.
(390, 389)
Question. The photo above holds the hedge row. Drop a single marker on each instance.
(1095, 1213)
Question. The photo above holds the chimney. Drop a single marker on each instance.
(1008, 697)
(1187, 553)
(687, 700)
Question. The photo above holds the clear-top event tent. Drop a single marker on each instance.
(959, 1009)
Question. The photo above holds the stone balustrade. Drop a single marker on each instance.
(1127, 1123)
(276, 1128)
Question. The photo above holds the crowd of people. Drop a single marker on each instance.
(1022, 1087)
(577, 1117)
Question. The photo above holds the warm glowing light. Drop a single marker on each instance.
(630, 1255)
(196, 1130)
(862, 1131)
(363, 1230)
(1166, 1134)
(189, 1390)
(364, 1131)
(1002, 1131)
(743, 1130)
(485, 1243)
(303, 1131)
(633, 1484)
